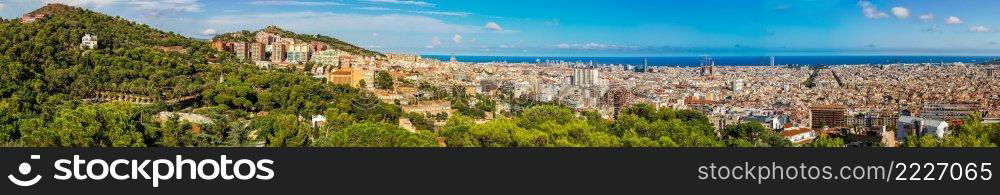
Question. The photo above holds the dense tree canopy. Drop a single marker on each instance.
(376, 135)
(753, 135)
(553, 126)
(973, 133)
(52, 89)
(383, 80)
(106, 125)
(482, 105)
(826, 142)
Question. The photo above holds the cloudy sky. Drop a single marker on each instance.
(590, 27)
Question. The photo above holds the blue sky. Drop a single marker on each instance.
(591, 27)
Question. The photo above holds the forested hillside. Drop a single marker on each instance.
(55, 93)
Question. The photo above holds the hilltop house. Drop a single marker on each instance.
(88, 42)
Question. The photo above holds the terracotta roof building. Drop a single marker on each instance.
(799, 135)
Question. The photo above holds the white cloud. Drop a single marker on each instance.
(597, 46)
(2, 6)
(376, 8)
(927, 17)
(164, 6)
(296, 3)
(553, 22)
(782, 7)
(932, 29)
(85, 3)
(209, 32)
(461, 14)
(148, 7)
(953, 20)
(494, 26)
(587, 46)
(457, 38)
(979, 28)
(435, 41)
(901, 12)
(320, 22)
(403, 2)
(870, 10)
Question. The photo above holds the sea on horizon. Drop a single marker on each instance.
(729, 60)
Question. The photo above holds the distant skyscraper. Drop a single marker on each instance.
(645, 65)
(772, 60)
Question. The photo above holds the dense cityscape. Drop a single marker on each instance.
(860, 102)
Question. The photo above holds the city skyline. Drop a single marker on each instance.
(588, 28)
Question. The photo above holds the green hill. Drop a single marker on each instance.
(130, 58)
(247, 36)
(55, 93)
